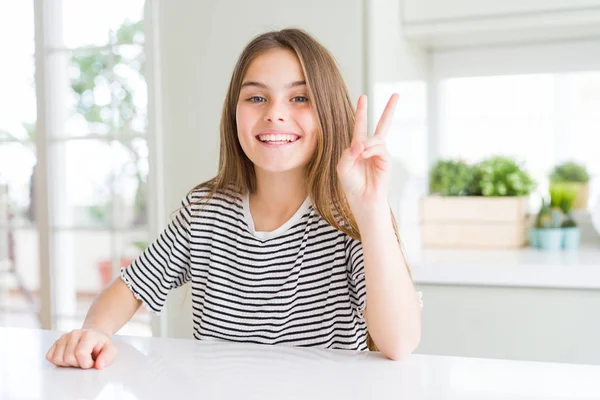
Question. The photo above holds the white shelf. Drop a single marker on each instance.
(525, 267)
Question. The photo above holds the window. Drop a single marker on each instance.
(536, 102)
(97, 150)
(540, 119)
(18, 234)
(94, 130)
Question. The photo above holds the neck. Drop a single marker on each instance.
(277, 197)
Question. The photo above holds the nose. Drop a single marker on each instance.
(276, 112)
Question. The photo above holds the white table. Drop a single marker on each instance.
(155, 368)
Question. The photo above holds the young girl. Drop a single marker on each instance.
(293, 241)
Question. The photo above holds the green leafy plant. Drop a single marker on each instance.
(450, 178)
(500, 176)
(562, 197)
(569, 172)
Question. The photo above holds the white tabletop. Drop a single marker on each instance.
(155, 368)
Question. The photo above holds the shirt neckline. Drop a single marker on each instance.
(294, 219)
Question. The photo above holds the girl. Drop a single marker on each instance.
(293, 241)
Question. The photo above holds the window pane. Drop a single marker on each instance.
(130, 183)
(19, 273)
(87, 261)
(98, 180)
(17, 89)
(92, 23)
(19, 256)
(17, 162)
(88, 94)
(541, 119)
(82, 173)
(98, 92)
(129, 89)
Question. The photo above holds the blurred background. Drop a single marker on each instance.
(77, 127)
(109, 114)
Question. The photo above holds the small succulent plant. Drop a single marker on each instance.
(548, 217)
(562, 197)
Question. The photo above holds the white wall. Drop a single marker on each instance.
(391, 58)
(198, 45)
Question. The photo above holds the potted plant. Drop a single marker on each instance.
(562, 197)
(546, 233)
(576, 175)
(501, 176)
(484, 205)
(450, 178)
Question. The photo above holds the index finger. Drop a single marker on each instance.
(384, 123)
(360, 120)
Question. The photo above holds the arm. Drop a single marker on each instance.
(164, 265)
(112, 309)
(394, 311)
(394, 314)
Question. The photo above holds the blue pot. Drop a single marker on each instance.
(571, 238)
(534, 238)
(550, 239)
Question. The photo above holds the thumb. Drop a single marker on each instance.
(106, 355)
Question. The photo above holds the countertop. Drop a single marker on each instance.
(525, 267)
(159, 368)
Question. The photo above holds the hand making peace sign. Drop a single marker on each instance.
(364, 168)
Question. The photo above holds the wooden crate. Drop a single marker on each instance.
(478, 222)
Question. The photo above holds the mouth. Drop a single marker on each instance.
(277, 139)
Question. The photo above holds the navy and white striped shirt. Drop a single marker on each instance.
(302, 284)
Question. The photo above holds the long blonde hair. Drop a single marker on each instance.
(335, 114)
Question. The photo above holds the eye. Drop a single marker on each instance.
(300, 99)
(257, 99)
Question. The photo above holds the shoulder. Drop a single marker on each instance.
(204, 198)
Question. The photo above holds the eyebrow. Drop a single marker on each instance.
(263, 86)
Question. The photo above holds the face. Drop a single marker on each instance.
(277, 127)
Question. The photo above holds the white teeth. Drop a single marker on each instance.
(279, 138)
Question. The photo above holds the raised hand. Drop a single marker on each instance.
(364, 168)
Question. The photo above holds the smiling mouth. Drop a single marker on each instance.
(278, 138)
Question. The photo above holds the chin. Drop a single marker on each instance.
(279, 167)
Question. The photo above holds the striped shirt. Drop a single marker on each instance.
(301, 285)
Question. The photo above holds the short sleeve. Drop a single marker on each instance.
(356, 273)
(165, 264)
